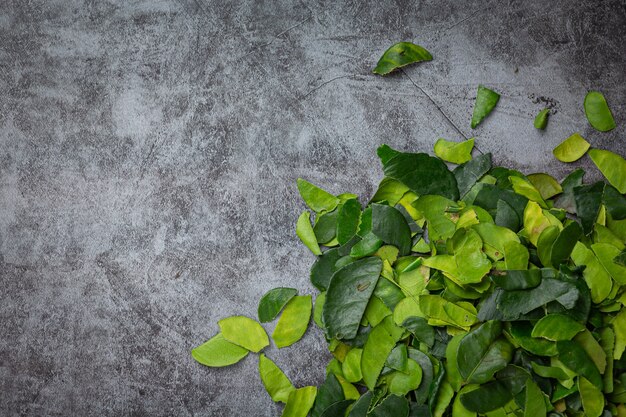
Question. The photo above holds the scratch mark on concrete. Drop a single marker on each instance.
(314, 89)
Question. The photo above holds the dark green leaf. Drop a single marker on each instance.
(348, 220)
(506, 216)
(516, 279)
(324, 268)
(588, 201)
(388, 292)
(566, 199)
(366, 247)
(480, 355)
(521, 331)
(420, 328)
(391, 227)
(348, 293)
(273, 301)
(421, 394)
(614, 202)
(572, 355)
(397, 358)
(489, 195)
(565, 242)
(541, 120)
(598, 112)
(330, 392)
(470, 172)
(400, 55)
(361, 407)
(487, 397)
(392, 406)
(423, 174)
(337, 409)
(557, 327)
(325, 228)
(486, 100)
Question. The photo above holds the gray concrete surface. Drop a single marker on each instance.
(149, 152)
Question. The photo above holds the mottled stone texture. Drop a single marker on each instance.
(149, 152)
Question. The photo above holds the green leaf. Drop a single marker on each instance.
(598, 112)
(557, 327)
(401, 383)
(244, 332)
(455, 152)
(218, 352)
(375, 352)
(305, 232)
(397, 359)
(294, 321)
(619, 327)
(421, 330)
(423, 174)
(443, 399)
(367, 246)
(571, 149)
(392, 406)
(588, 201)
(389, 190)
(300, 402)
(606, 253)
(516, 279)
(452, 368)
(444, 312)
(486, 100)
(325, 227)
(361, 407)
(534, 404)
(572, 355)
(400, 55)
(547, 186)
(549, 371)
(562, 247)
(421, 394)
(276, 383)
(470, 172)
(612, 166)
(316, 198)
(592, 398)
(614, 202)
(351, 366)
(337, 409)
(520, 333)
(526, 189)
(593, 349)
(330, 392)
(597, 278)
(566, 199)
(324, 268)
(348, 293)
(348, 221)
(486, 397)
(480, 355)
(391, 227)
(273, 301)
(541, 120)
(434, 208)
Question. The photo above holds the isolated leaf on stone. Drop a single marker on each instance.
(612, 166)
(541, 120)
(571, 149)
(597, 111)
(486, 101)
(399, 55)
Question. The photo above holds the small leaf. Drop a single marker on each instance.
(391, 227)
(217, 352)
(547, 186)
(300, 402)
(517, 279)
(400, 55)
(486, 100)
(541, 120)
(612, 166)
(366, 247)
(273, 302)
(455, 152)
(588, 201)
(348, 293)
(598, 112)
(573, 356)
(534, 404)
(328, 393)
(276, 383)
(470, 172)
(392, 406)
(305, 232)
(402, 382)
(294, 321)
(480, 355)
(557, 327)
(571, 149)
(351, 366)
(244, 332)
(316, 198)
(592, 398)
(348, 221)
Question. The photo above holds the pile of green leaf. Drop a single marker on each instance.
(472, 291)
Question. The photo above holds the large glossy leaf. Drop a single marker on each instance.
(612, 166)
(455, 152)
(276, 383)
(423, 174)
(273, 301)
(486, 101)
(588, 201)
(348, 220)
(572, 355)
(391, 227)
(598, 112)
(481, 354)
(557, 327)
(300, 402)
(218, 352)
(571, 149)
(294, 321)
(470, 172)
(305, 232)
(348, 293)
(244, 332)
(400, 55)
(330, 392)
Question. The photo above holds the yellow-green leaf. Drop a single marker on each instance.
(276, 383)
(571, 149)
(400, 55)
(455, 152)
(305, 232)
(612, 166)
(598, 112)
(294, 321)
(217, 352)
(300, 402)
(547, 186)
(316, 198)
(592, 398)
(244, 332)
